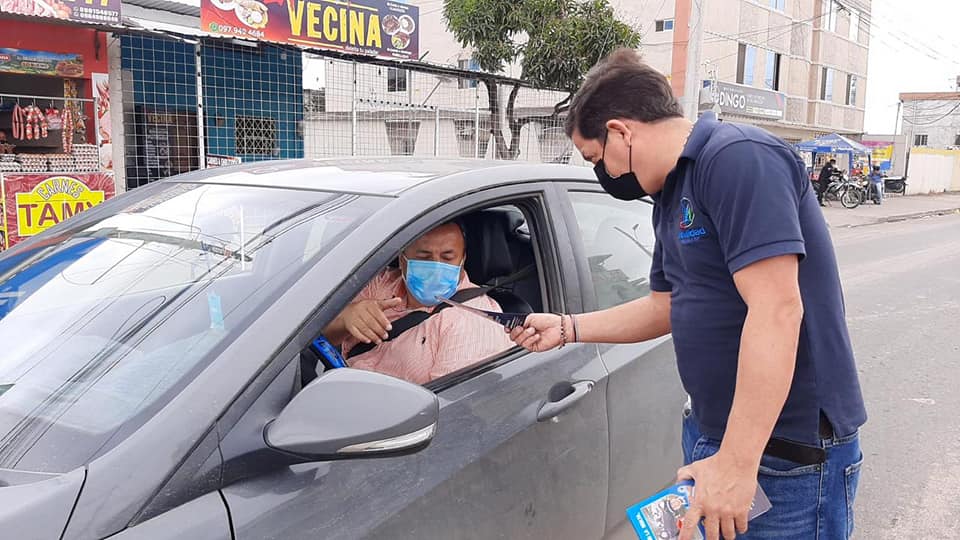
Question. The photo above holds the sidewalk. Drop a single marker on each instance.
(894, 208)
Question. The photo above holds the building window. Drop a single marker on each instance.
(663, 25)
(314, 101)
(826, 84)
(851, 90)
(397, 80)
(830, 13)
(402, 136)
(956, 140)
(771, 78)
(919, 140)
(855, 25)
(467, 65)
(746, 63)
(780, 5)
(256, 136)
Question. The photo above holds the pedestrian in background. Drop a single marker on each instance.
(823, 181)
(876, 181)
(745, 278)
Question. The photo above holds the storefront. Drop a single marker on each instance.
(55, 129)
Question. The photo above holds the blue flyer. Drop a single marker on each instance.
(660, 517)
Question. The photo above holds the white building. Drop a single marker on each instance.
(931, 119)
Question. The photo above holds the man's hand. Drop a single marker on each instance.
(722, 495)
(366, 321)
(540, 333)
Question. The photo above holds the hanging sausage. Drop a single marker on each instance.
(67, 129)
(17, 122)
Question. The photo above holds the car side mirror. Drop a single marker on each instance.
(350, 413)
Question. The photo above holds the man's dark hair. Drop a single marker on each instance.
(620, 86)
(833, 161)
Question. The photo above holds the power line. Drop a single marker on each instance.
(930, 123)
(903, 37)
(767, 42)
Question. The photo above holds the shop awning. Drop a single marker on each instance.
(833, 144)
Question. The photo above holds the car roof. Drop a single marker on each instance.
(383, 176)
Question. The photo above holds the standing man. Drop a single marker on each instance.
(876, 180)
(744, 276)
(823, 181)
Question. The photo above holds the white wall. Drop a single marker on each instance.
(933, 171)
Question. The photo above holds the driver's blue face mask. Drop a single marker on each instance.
(428, 281)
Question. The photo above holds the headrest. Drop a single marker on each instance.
(490, 234)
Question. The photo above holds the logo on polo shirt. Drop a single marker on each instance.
(686, 214)
(688, 234)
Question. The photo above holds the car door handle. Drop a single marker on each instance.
(562, 397)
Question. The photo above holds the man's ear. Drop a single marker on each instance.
(618, 128)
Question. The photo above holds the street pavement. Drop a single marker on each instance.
(894, 207)
(902, 290)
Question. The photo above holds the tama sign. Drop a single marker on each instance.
(744, 100)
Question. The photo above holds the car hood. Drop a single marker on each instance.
(38, 505)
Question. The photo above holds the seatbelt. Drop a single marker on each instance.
(410, 320)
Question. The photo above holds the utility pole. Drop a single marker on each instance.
(693, 82)
(896, 119)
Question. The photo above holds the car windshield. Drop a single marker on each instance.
(104, 318)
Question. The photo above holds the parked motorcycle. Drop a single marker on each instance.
(895, 184)
(843, 189)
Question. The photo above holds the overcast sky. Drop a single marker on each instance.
(915, 47)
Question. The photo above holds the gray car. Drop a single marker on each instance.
(155, 380)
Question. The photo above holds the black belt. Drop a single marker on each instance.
(802, 454)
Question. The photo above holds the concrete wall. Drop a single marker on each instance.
(656, 47)
(933, 171)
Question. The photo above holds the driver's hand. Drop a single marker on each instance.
(366, 320)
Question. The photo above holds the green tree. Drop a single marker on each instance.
(555, 41)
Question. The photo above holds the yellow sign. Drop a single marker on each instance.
(882, 153)
(52, 201)
(335, 24)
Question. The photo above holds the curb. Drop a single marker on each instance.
(907, 217)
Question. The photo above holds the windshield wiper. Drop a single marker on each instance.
(158, 238)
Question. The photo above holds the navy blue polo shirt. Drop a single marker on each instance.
(739, 195)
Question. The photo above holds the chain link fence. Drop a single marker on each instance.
(198, 102)
(373, 110)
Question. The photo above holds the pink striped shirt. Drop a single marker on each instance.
(451, 340)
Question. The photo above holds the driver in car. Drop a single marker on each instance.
(451, 339)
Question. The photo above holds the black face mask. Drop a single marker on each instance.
(625, 187)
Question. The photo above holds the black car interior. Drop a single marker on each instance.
(499, 246)
(500, 256)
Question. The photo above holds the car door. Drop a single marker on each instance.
(521, 450)
(614, 244)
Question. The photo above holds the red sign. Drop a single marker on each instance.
(384, 28)
(35, 202)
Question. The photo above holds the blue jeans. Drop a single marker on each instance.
(810, 502)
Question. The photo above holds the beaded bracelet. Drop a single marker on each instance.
(563, 333)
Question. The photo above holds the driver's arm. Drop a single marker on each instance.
(363, 318)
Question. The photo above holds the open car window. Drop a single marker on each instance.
(455, 341)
